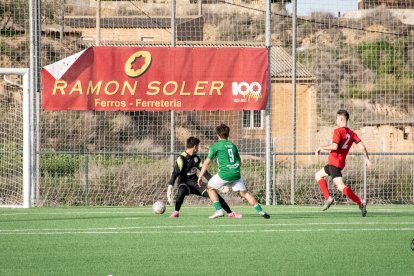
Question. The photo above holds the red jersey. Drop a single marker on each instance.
(344, 138)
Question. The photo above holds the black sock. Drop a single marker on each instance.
(182, 192)
(224, 204)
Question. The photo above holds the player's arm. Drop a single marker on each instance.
(203, 171)
(238, 156)
(336, 138)
(207, 175)
(178, 166)
(364, 150)
(333, 146)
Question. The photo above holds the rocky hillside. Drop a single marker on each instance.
(364, 64)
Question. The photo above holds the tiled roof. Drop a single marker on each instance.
(280, 59)
(281, 65)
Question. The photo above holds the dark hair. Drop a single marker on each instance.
(223, 131)
(192, 141)
(344, 113)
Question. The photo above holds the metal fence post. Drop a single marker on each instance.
(98, 23)
(86, 179)
(172, 112)
(274, 199)
(293, 168)
(268, 105)
(365, 182)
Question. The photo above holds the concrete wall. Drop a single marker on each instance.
(384, 138)
(405, 15)
(393, 4)
(128, 35)
(306, 119)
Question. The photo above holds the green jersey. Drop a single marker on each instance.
(228, 159)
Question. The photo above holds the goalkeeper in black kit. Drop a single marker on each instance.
(185, 169)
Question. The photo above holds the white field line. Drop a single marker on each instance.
(274, 210)
(216, 231)
(167, 227)
(142, 211)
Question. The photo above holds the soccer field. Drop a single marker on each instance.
(297, 240)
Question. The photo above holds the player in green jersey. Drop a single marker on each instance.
(185, 170)
(229, 164)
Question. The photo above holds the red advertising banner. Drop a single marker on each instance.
(157, 79)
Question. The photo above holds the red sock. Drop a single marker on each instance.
(324, 187)
(351, 195)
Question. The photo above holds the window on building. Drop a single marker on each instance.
(253, 118)
(406, 133)
(147, 38)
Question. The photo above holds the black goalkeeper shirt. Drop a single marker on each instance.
(185, 169)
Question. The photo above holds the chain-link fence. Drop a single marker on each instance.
(357, 55)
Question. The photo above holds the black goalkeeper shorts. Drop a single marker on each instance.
(193, 188)
(333, 171)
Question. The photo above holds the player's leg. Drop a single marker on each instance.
(224, 205)
(226, 208)
(215, 183)
(202, 191)
(340, 185)
(253, 201)
(323, 186)
(183, 190)
(216, 203)
(349, 193)
(320, 179)
(238, 186)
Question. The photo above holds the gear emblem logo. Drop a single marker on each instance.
(138, 63)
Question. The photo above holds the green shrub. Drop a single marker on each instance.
(10, 32)
(5, 49)
(387, 87)
(59, 164)
(11, 158)
(382, 56)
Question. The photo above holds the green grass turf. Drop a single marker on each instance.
(297, 240)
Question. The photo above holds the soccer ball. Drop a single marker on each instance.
(158, 207)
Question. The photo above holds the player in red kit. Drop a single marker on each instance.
(342, 140)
